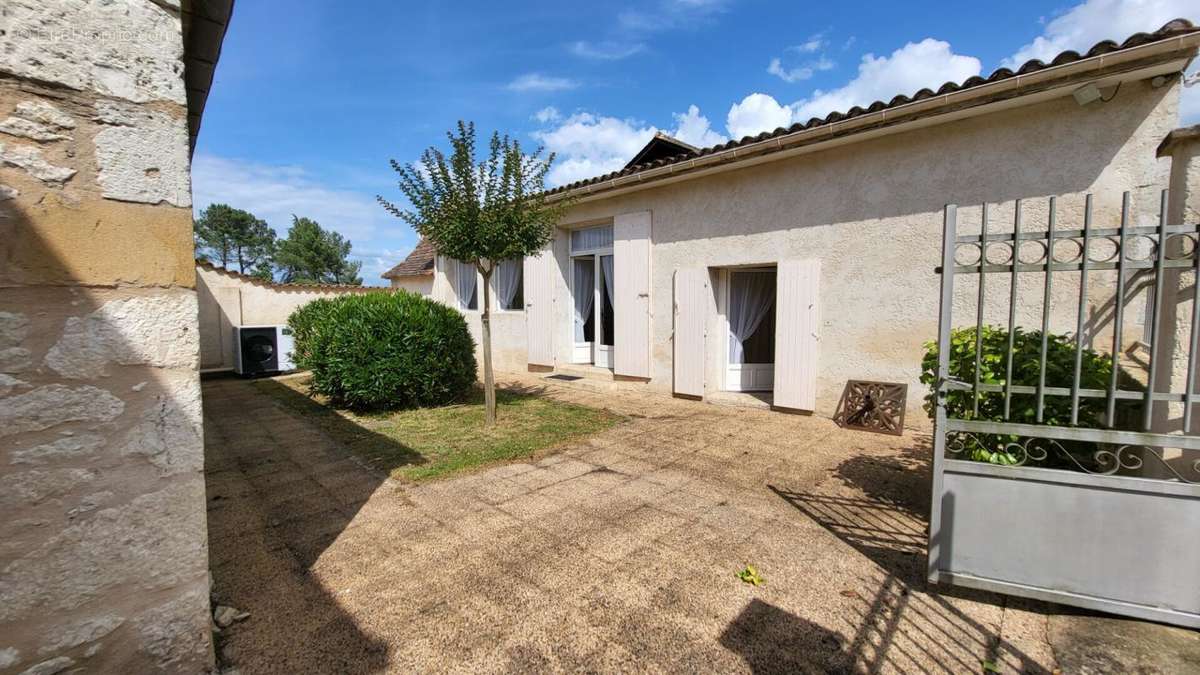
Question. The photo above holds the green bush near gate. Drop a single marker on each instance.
(1095, 373)
(384, 350)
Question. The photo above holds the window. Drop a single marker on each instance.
(464, 284)
(510, 291)
(592, 239)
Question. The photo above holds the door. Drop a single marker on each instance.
(583, 297)
(605, 327)
(631, 294)
(539, 309)
(691, 301)
(750, 297)
(796, 334)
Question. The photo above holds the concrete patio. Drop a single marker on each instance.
(615, 554)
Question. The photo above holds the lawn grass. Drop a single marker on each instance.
(429, 443)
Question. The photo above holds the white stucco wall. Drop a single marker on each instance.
(508, 326)
(422, 285)
(228, 300)
(872, 213)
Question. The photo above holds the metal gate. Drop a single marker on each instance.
(1049, 480)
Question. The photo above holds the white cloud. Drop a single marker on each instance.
(606, 50)
(811, 45)
(694, 129)
(274, 193)
(757, 113)
(547, 115)
(1090, 22)
(589, 145)
(916, 65)
(1189, 99)
(798, 73)
(539, 82)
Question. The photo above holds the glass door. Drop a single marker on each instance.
(583, 292)
(750, 318)
(604, 300)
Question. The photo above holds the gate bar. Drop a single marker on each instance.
(1191, 366)
(945, 310)
(983, 233)
(1084, 263)
(1118, 315)
(1049, 282)
(1156, 315)
(1012, 308)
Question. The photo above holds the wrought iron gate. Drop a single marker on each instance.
(1101, 508)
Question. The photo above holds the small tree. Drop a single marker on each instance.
(313, 255)
(480, 213)
(235, 236)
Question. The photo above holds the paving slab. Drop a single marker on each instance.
(618, 552)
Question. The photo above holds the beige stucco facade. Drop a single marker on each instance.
(228, 299)
(419, 284)
(103, 543)
(871, 211)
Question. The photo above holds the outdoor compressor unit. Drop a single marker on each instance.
(262, 349)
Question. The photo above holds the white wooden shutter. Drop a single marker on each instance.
(691, 299)
(631, 294)
(796, 334)
(539, 308)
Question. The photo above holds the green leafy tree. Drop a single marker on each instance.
(234, 236)
(313, 255)
(480, 212)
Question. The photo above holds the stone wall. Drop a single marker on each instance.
(103, 545)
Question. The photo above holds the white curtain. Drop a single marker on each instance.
(508, 279)
(751, 295)
(464, 282)
(592, 238)
(606, 266)
(585, 294)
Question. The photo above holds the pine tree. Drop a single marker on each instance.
(313, 255)
(234, 236)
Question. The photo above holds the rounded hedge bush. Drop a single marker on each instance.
(384, 350)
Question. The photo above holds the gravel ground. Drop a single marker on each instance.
(617, 553)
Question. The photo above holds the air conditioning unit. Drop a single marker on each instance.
(262, 349)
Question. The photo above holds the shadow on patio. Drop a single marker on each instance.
(279, 493)
(901, 623)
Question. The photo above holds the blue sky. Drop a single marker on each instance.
(311, 99)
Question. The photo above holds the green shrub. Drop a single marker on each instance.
(384, 350)
(1095, 372)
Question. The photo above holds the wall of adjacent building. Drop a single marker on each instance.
(103, 543)
(421, 285)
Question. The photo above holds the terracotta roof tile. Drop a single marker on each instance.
(418, 263)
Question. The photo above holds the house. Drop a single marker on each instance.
(790, 262)
(415, 272)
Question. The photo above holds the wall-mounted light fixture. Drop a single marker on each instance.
(1087, 93)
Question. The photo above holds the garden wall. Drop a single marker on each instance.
(228, 299)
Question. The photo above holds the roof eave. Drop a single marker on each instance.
(1167, 55)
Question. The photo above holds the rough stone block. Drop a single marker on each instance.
(142, 155)
(135, 48)
(153, 330)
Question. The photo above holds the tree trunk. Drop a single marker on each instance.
(489, 379)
